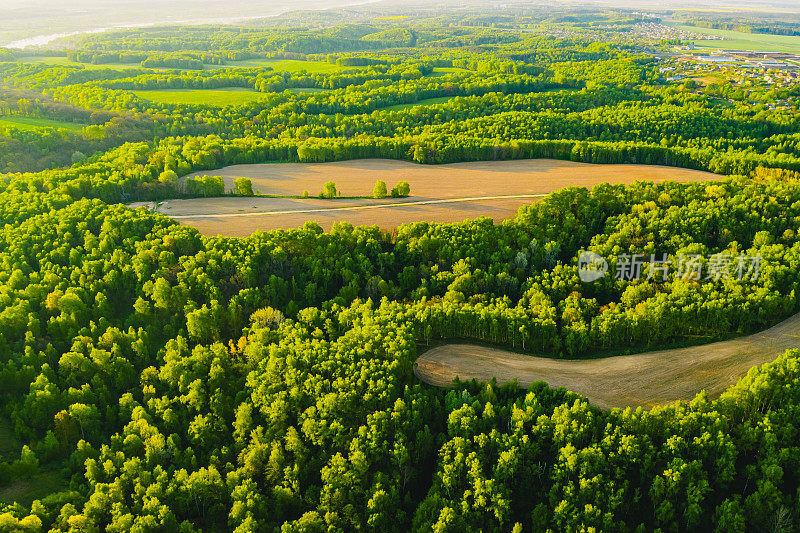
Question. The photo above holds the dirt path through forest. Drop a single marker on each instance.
(646, 379)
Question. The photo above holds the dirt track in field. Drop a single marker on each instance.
(646, 379)
(492, 182)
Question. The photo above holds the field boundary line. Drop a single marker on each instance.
(358, 207)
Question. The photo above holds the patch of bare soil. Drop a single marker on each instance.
(485, 180)
(647, 379)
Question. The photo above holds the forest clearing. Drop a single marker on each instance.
(495, 189)
(645, 379)
(211, 97)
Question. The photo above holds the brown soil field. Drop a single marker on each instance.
(480, 182)
(646, 379)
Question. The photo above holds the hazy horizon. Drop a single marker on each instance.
(31, 23)
(36, 22)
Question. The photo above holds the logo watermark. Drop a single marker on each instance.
(591, 266)
(695, 267)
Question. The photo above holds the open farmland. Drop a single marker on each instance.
(30, 124)
(426, 101)
(281, 65)
(647, 379)
(307, 90)
(212, 97)
(61, 61)
(441, 71)
(482, 182)
(288, 65)
(735, 40)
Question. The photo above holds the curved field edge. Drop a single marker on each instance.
(645, 379)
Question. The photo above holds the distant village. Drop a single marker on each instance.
(775, 69)
(741, 58)
(749, 71)
(656, 31)
(743, 69)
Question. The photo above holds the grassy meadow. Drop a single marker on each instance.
(31, 124)
(734, 40)
(213, 97)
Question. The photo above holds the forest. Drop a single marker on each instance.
(155, 379)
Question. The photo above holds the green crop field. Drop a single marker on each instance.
(213, 97)
(734, 40)
(25, 123)
(64, 62)
(427, 101)
(441, 71)
(283, 65)
(308, 90)
(289, 65)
